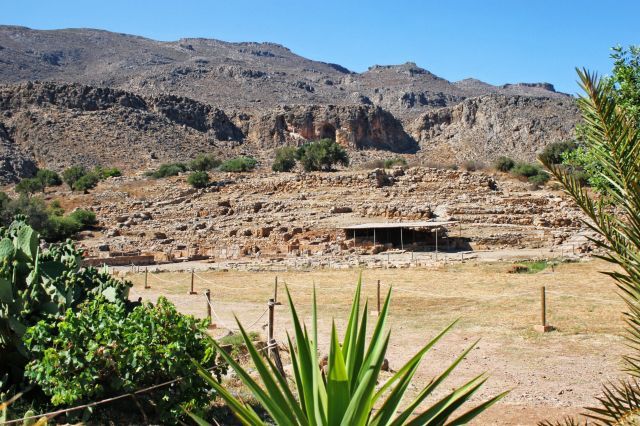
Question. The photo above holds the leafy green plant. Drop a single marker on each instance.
(72, 175)
(86, 182)
(526, 170)
(84, 217)
(166, 170)
(539, 179)
(102, 349)
(39, 285)
(239, 164)
(107, 172)
(322, 155)
(204, 162)
(555, 151)
(198, 179)
(612, 137)
(347, 393)
(29, 186)
(504, 164)
(285, 159)
(48, 178)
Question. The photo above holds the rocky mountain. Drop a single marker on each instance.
(109, 94)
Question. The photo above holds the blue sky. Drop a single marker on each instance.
(495, 41)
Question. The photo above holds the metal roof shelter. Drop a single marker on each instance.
(401, 226)
(383, 225)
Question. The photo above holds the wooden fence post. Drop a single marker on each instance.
(543, 327)
(275, 291)
(376, 313)
(192, 291)
(272, 345)
(207, 294)
(146, 278)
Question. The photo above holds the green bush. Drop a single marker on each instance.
(102, 350)
(285, 159)
(84, 217)
(39, 285)
(555, 152)
(239, 164)
(47, 220)
(204, 162)
(48, 178)
(397, 161)
(104, 173)
(86, 182)
(322, 155)
(504, 164)
(72, 175)
(198, 179)
(168, 169)
(29, 186)
(539, 179)
(526, 170)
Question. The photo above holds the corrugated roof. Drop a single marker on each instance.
(419, 224)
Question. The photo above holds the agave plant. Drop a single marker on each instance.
(613, 138)
(348, 393)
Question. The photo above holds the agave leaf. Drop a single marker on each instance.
(438, 413)
(337, 381)
(242, 411)
(474, 412)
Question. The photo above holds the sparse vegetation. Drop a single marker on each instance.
(555, 152)
(49, 221)
(239, 164)
(204, 162)
(321, 155)
(105, 173)
(504, 164)
(86, 182)
(285, 159)
(72, 174)
(48, 178)
(168, 169)
(472, 165)
(396, 161)
(29, 186)
(198, 179)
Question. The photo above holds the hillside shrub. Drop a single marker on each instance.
(526, 170)
(29, 186)
(539, 179)
(86, 182)
(168, 169)
(239, 164)
(204, 162)
(49, 220)
(72, 175)
(107, 172)
(285, 159)
(321, 155)
(555, 152)
(504, 164)
(48, 178)
(198, 179)
(102, 350)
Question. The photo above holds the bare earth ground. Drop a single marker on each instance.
(550, 375)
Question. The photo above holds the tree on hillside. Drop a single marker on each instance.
(322, 155)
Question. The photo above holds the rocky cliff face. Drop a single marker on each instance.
(353, 126)
(487, 127)
(129, 101)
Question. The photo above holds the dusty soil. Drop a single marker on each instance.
(550, 375)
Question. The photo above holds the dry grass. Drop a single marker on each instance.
(553, 374)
